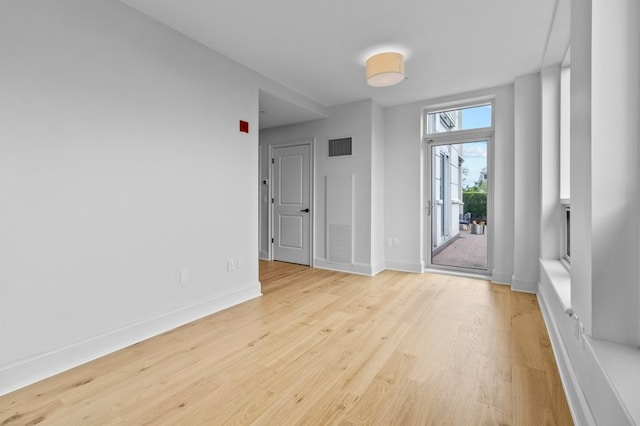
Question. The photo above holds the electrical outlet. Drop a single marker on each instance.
(240, 263)
(184, 276)
(396, 242)
(390, 242)
(231, 265)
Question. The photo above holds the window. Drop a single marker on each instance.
(566, 232)
(467, 118)
(565, 166)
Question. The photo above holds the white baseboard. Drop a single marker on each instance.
(575, 398)
(33, 369)
(404, 266)
(377, 268)
(524, 286)
(501, 277)
(352, 268)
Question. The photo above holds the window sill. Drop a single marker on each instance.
(607, 373)
(622, 366)
(560, 279)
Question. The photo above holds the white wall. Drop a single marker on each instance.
(604, 169)
(404, 181)
(550, 164)
(403, 186)
(527, 183)
(121, 165)
(354, 120)
(580, 155)
(264, 202)
(377, 188)
(615, 177)
(503, 185)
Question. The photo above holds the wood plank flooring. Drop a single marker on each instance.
(322, 348)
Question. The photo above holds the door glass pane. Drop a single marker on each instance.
(459, 188)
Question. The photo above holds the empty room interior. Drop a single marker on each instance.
(337, 212)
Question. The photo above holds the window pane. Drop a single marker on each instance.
(566, 231)
(568, 234)
(475, 117)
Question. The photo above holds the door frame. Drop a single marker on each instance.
(296, 142)
(461, 137)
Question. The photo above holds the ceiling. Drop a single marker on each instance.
(318, 48)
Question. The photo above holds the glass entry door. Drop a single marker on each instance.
(457, 202)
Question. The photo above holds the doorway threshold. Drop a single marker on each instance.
(473, 275)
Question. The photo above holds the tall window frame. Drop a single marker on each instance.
(455, 136)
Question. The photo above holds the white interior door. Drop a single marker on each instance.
(291, 204)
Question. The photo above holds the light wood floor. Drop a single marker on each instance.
(320, 348)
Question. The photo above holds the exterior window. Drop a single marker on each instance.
(468, 118)
(566, 232)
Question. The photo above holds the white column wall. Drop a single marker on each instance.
(550, 165)
(403, 187)
(615, 108)
(527, 183)
(503, 186)
(377, 188)
(581, 160)
(604, 169)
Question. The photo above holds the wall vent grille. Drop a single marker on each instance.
(340, 147)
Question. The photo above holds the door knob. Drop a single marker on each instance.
(305, 210)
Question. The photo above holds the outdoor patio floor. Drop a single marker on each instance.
(467, 251)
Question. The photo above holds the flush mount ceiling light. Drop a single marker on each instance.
(385, 69)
